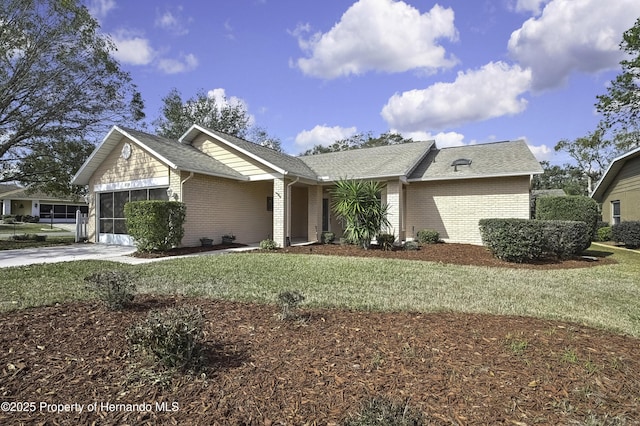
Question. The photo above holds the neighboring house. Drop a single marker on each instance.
(16, 201)
(232, 186)
(618, 191)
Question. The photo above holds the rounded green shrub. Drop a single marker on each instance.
(428, 236)
(327, 237)
(411, 246)
(565, 239)
(385, 241)
(268, 244)
(605, 234)
(573, 208)
(513, 240)
(155, 225)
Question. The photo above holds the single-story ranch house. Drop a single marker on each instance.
(232, 186)
(17, 201)
(619, 189)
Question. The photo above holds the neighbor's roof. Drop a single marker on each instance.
(368, 163)
(496, 159)
(278, 161)
(16, 192)
(611, 173)
(176, 155)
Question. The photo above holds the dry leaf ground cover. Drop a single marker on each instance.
(457, 368)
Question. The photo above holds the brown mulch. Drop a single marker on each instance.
(457, 369)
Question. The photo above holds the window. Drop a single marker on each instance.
(112, 220)
(615, 212)
(61, 211)
(269, 204)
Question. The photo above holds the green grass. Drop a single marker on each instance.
(50, 241)
(27, 228)
(602, 296)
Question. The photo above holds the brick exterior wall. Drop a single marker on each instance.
(453, 208)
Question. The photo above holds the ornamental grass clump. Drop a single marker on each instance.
(382, 411)
(289, 302)
(115, 288)
(172, 336)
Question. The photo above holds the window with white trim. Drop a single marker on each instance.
(615, 212)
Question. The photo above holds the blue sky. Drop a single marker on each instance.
(309, 72)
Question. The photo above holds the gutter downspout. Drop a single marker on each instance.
(287, 200)
(182, 184)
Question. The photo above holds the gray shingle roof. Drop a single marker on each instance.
(383, 161)
(509, 158)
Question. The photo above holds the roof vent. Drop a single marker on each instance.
(460, 162)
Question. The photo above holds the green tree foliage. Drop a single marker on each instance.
(592, 153)
(360, 140)
(155, 225)
(573, 208)
(569, 178)
(223, 115)
(59, 87)
(621, 105)
(357, 204)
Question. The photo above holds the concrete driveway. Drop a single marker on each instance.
(67, 254)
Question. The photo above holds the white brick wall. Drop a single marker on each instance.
(453, 208)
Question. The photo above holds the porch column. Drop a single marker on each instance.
(395, 213)
(279, 211)
(314, 208)
(6, 207)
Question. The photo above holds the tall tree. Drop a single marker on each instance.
(569, 178)
(59, 87)
(203, 109)
(592, 153)
(621, 105)
(357, 141)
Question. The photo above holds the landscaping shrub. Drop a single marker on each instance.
(8, 219)
(268, 244)
(155, 225)
(411, 245)
(627, 233)
(513, 240)
(173, 336)
(565, 239)
(29, 237)
(428, 236)
(384, 412)
(115, 288)
(289, 302)
(385, 241)
(574, 208)
(605, 234)
(327, 237)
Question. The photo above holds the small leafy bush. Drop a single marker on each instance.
(289, 302)
(428, 236)
(384, 412)
(155, 225)
(172, 336)
(411, 246)
(327, 237)
(8, 219)
(29, 237)
(605, 234)
(268, 244)
(385, 241)
(627, 233)
(115, 288)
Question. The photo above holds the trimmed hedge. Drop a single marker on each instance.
(604, 234)
(523, 240)
(155, 225)
(573, 208)
(627, 233)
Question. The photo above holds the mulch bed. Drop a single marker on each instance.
(458, 369)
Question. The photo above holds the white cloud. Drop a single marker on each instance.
(442, 139)
(174, 66)
(570, 36)
(476, 95)
(323, 135)
(132, 49)
(533, 6)
(541, 152)
(173, 22)
(100, 8)
(379, 35)
(219, 95)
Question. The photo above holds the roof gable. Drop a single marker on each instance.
(612, 171)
